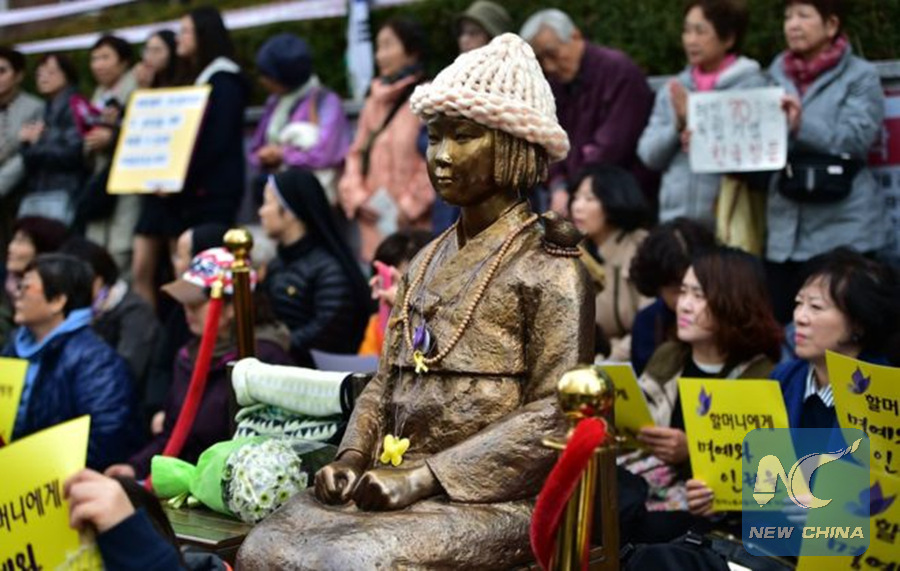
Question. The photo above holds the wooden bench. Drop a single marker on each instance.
(208, 530)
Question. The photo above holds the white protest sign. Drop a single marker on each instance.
(741, 130)
(157, 140)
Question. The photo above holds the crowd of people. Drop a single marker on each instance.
(348, 210)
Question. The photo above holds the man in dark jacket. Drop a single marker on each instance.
(315, 285)
(71, 372)
(602, 102)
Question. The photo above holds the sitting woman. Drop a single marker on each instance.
(657, 269)
(609, 208)
(726, 330)
(71, 371)
(211, 425)
(848, 304)
(315, 284)
(32, 236)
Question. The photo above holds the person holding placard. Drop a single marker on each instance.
(848, 304)
(609, 208)
(725, 331)
(71, 371)
(215, 182)
(834, 106)
(712, 35)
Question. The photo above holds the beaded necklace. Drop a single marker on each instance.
(420, 343)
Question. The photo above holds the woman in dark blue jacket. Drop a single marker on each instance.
(850, 305)
(71, 372)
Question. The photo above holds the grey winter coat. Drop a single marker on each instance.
(842, 113)
(25, 108)
(682, 192)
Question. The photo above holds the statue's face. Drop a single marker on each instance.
(461, 160)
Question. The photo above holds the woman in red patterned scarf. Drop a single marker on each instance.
(834, 105)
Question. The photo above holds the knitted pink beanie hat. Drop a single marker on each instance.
(501, 86)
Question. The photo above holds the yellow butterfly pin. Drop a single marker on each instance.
(394, 448)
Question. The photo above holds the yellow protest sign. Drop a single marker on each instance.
(12, 379)
(884, 532)
(157, 140)
(34, 516)
(717, 416)
(632, 412)
(867, 397)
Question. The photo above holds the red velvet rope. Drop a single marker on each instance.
(560, 484)
(198, 383)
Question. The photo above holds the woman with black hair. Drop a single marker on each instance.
(109, 219)
(155, 228)
(53, 147)
(158, 66)
(609, 208)
(385, 184)
(315, 285)
(656, 271)
(215, 182)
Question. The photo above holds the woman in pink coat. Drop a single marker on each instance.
(385, 186)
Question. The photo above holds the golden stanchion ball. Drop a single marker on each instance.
(239, 242)
(585, 391)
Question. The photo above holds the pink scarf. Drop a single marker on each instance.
(706, 80)
(803, 73)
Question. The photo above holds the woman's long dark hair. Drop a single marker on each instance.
(212, 37)
(169, 76)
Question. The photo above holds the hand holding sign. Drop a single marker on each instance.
(97, 501)
(12, 379)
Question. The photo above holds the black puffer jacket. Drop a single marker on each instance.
(313, 296)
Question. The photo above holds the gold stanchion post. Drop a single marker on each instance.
(587, 391)
(239, 242)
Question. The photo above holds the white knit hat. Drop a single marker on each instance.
(500, 86)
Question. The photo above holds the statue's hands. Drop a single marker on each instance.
(393, 489)
(336, 481)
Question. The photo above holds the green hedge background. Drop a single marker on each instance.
(648, 30)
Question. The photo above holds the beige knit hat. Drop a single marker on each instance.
(500, 85)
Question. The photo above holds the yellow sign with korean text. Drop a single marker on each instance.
(157, 140)
(631, 412)
(12, 379)
(884, 532)
(718, 414)
(34, 515)
(867, 397)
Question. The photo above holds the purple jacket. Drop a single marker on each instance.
(211, 423)
(604, 110)
(334, 137)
